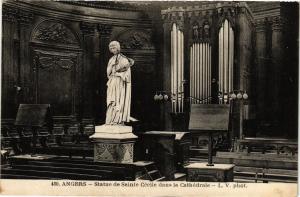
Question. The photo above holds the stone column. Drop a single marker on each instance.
(88, 32)
(276, 70)
(261, 47)
(8, 68)
(101, 78)
(26, 73)
(243, 62)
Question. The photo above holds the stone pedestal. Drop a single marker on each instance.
(113, 143)
(200, 172)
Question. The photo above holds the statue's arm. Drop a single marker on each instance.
(125, 64)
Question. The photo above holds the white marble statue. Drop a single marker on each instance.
(118, 86)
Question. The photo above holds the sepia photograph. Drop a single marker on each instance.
(149, 98)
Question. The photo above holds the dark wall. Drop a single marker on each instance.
(276, 65)
(57, 53)
(290, 72)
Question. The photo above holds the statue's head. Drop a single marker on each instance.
(114, 47)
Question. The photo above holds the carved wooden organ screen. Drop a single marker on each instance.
(226, 55)
(177, 61)
(200, 65)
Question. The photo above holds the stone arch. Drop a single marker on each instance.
(135, 39)
(55, 33)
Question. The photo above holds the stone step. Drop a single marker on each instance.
(198, 152)
(262, 163)
(246, 174)
(242, 179)
(143, 166)
(143, 163)
(197, 159)
(74, 165)
(64, 169)
(273, 180)
(180, 176)
(154, 176)
(54, 174)
(280, 177)
(160, 179)
(19, 176)
(109, 171)
(269, 173)
(257, 156)
(266, 177)
(64, 160)
(142, 177)
(152, 172)
(67, 150)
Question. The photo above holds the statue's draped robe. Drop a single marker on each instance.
(118, 89)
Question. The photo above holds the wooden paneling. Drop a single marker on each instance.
(55, 67)
(55, 78)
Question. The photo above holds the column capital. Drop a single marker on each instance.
(25, 18)
(277, 23)
(9, 14)
(228, 10)
(87, 28)
(261, 25)
(104, 29)
(174, 15)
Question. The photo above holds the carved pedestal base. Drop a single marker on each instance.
(200, 172)
(113, 144)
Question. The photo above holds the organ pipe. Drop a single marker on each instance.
(195, 71)
(200, 72)
(209, 73)
(172, 70)
(191, 71)
(226, 58)
(231, 47)
(201, 81)
(225, 55)
(182, 71)
(221, 58)
(175, 65)
(204, 72)
(177, 70)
